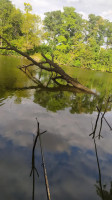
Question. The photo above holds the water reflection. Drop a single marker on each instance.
(100, 187)
(34, 168)
(11, 77)
(15, 83)
(105, 194)
(69, 151)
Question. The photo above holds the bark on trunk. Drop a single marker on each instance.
(53, 67)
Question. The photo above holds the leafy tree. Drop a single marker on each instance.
(65, 36)
(52, 25)
(108, 34)
(96, 28)
(30, 28)
(10, 20)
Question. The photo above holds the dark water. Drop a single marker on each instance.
(69, 151)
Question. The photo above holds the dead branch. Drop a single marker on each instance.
(98, 165)
(104, 119)
(25, 66)
(29, 75)
(53, 67)
(96, 123)
(108, 100)
(34, 169)
(49, 80)
(43, 164)
(101, 122)
(99, 170)
(49, 89)
(5, 48)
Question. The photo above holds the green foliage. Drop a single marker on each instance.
(79, 42)
(30, 28)
(22, 29)
(65, 35)
(10, 20)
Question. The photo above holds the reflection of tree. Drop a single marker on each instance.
(99, 171)
(105, 108)
(107, 195)
(100, 188)
(50, 96)
(52, 100)
(60, 99)
(10, 78)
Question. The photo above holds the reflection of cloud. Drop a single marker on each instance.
(67, 175)
(15, 182)
(73, 177)
(17, 123)
(69, 151)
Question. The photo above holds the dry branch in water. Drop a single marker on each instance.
(99, 170)
(101, 122)
(51, 67)
(43, 162)
(33, 169)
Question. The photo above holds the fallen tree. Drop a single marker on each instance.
(48, 65)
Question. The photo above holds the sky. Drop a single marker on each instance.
(84, 7)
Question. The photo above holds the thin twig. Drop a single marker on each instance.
(34, 169)
(99, 170)
(25, 66)
(96, 123)
(105, 110)
(43, 164)
(49, 79)
(105, 119)
(98, 165)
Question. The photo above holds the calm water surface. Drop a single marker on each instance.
(68, 149)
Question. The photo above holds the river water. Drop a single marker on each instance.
(69, 151)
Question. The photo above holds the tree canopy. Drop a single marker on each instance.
(63, 35)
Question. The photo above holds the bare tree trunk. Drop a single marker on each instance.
(53, 67)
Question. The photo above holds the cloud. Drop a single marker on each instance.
(72, 1)
(64, 130)
(107, 14)
(68, 150)
(84, 15)
(98, 7)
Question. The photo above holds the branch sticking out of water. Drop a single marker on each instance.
(51, 67)
(99, 170)
(104, 119)
(96, 123)
(43, 162)
(98, 165)
(34, 169)
(101, 122)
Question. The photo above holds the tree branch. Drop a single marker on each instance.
(54, 67)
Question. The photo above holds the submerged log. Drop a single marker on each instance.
(51, 67)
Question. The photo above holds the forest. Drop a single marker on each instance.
(64, 36)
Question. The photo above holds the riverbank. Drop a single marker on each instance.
(37, 56)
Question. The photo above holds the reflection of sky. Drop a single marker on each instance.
(69, 152)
